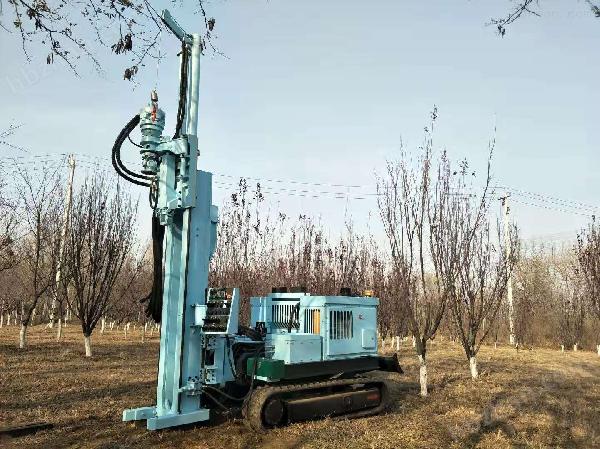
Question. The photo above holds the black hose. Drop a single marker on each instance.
(226, 395)
(155, 297)
(215, 400)
(183, 75)
(121, 169)
(128, 175)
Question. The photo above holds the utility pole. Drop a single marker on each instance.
(63, 236)
(509, 296)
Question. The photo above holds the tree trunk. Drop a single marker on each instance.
(575, 347)
(423, 374)
(562, 348)
(1, 319)
(59, 329)
(87, 342)
(103, 326)
(23, 336)
(143, 334)
(397, 343)
(598, 348)
(473, 365)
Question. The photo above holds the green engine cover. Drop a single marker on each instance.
(268, 369)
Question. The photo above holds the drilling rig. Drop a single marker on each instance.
(301, 357)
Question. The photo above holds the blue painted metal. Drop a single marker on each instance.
(300, 328)
(296, 347)
(346, 325)
(184, 206)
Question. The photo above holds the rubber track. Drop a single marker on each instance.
(252, 411)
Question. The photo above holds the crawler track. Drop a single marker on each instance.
(253, 410)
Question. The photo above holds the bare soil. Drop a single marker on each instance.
(535, 398)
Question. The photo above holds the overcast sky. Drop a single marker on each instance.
(323, 92)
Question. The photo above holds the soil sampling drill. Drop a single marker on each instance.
(301, 357)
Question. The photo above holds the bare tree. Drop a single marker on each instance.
(8, 229)
(70, 30)
(569, 300)
(476, 265)
(529, 7)
(588, 255)
(409, 213)
(534, 289)
(101, 236)
(41, 204)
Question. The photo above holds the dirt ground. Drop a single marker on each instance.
(538, 399)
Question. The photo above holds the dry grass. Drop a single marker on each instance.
(537, 399)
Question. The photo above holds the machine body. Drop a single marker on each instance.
(300, 355)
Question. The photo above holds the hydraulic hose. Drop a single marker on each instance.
(124, 172)
(154, 299)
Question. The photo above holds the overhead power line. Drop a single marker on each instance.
(295, 188)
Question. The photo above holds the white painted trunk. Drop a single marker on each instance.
(143, 334)
(112, 324)
(473, 365)
(103, 325)
(414, 341)
(151, 331)
(495, 345)
(1, 320)
(23, 337)
(562, 348)
(397, 343)
(59, 330)
(598, 348)
(87, 342)
(423, 374)
(8, 319)
(125, 329)
(575, 347)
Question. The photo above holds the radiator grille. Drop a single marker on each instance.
(281, 313)
(340, 324)
(312, 321)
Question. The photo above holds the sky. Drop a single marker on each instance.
(311, 98)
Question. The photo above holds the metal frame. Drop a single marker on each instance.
(184, 206)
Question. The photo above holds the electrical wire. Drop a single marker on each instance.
(551, 199)
(520, 196)
(552, 208)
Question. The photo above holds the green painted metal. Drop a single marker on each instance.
(266, 369)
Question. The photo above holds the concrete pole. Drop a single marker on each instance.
(509, 295)
(63, 234)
